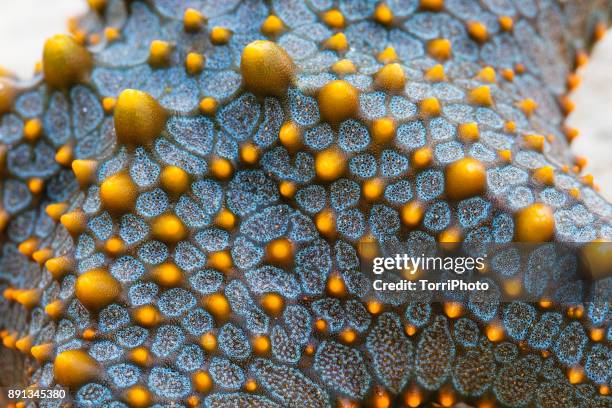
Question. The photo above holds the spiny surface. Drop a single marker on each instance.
(215, 166)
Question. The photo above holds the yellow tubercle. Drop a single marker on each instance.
(63, 155)
(221, 260)
(373, 189)
(435, 73)
(431, 5)
(391, 78)
(147, 315)
(32, 130)
(7, 94)
(383, 14)
(85, 171)
(348, 336)
(383, 130)
(387, 56)
(338, 100)
(266, 68)
(28, 246)
(344, 67)
(55, 309)
(168, 228)
(217, 305)
(138, 396)
(412, 214)
(59, 266)
(506, 23)
(535, 223)
(261, 345)
(118, 193)
(487, 74)
(279, 251)
(159, 53)
(336, 286)
(225, 219)
(75, 222)
(534, 141)
(194, 63)
(114, 246)
(28, 298)
(290, 136)
(272, 26)
(208, 106)
(422, 157)
(465, 178)
(528, 106)
(287, 188)
(430, 107)
(468, 132)
(330, 164)
(138, 118)
(337, 42)
(333, 18)
(174, 180)
(480, 96)
(220, 35)
(111, 34)
(42, 255)
(73, 368)
(440, 49)
(36, 185)
(249, 153)
(56, 210)
(24, 344)
(202, 382)
(478, 31)
(140, 356)
(97, 288)
(42, 352)
(221, 168)
(108, 104)
(65, 61)
(166, 274)
(193, 20)
(273, 303)
(544, 175)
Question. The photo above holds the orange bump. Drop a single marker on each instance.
(534, 223)
(138, 117)
(73, 368)
(59, 266)
(118, 193)
(218, 306)
(480, 96)
(435, 73)
(391, 78)
(422, 157)
(439, 49)
(174, 180)
(147, 316)
(338, 100)
(220, 35)
(333, 18)
(272, 26)
(167, 274)
(336, 42)
(412, 213)
(85, 171)
(383, 130)
(468, 132)
(465, 178)
(168, 228)
(273, 303)
(330, 164)
(430, 107)
(138, 396)
(202, 382)
(65, 61)
(383, 14)
(478, 31)
(159, 53)
(279, 251)
(193, 20)
(266, 68)
(97, 288)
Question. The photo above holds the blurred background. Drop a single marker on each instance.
(25, 24)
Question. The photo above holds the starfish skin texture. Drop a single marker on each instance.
(188, 187)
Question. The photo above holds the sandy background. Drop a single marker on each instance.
(25, 24)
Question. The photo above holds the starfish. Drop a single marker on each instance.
(188, 188)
